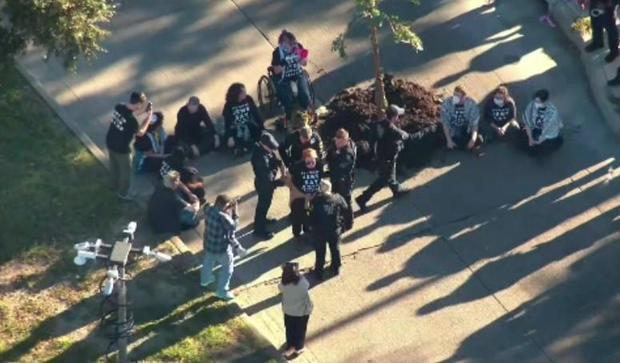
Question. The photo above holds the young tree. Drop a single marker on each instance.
(66, 29)
(369, 12)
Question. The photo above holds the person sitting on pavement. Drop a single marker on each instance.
(194, 129)
(265, 163)
(167, 211)
(330, 217)
(123, 127)
(296, 142)
(542, 126)
(191, 181)
(304, 182)
(341, 158)
(297, 307)
(221, 244)
(153, 147)
(500, 115)
(459, 118)
(287, 61)
(244, 123)
(388, 141)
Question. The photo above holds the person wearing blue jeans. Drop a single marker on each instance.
(220, 244)
(287, 61)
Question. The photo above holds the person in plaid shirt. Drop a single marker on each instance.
(220, 244)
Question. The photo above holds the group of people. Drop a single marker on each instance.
(320, 178)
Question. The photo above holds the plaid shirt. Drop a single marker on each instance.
(219, 231)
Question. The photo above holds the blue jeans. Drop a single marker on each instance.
(225, 260)
(188, 218)
(287, 98)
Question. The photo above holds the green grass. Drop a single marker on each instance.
(55, 193)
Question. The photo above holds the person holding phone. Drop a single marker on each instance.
(123, 127)
(297, 307)
(221, 244)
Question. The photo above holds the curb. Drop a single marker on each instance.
(68, 121)
(564, 13)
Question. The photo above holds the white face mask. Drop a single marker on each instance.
(499, 101)
(456, 99)
(539, 104)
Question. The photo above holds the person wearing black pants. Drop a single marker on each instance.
(341, 158)
(330, 217)
(306, 176)
(542, 126)
(603, 16)
(265, 164)
(297, 307)
(389, 142)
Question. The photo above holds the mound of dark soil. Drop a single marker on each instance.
(354, 110)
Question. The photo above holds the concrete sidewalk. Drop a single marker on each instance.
(501, 258)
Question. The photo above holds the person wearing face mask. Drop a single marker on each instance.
(244, 123)
(195, 129)
(500, 115)
(389, 141)
(287, 61)
(542, 126)
(304, 182)
(459, 118)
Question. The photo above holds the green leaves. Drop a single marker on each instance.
(403, 33)
(66, 29)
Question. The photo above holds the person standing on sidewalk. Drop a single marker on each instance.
(341, 157)
(330, 217)
(220, 244)
(603, 16)
(265, 164)
(123, 127)
(297, 307)
(305, 182)
(389, 141)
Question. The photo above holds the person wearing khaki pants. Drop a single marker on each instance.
(123, 127)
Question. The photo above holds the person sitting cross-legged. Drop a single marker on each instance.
(500, 116)
(244, 122)
(542, 126)
(194, 129)
(167, 211)
(459, 118)
(153, 147)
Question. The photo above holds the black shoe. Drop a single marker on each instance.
(335, 270)
(271, 220)
(318, 275)
(611, 56)
(361, 203)
(264, 235)
(616, 81)
(593, 47)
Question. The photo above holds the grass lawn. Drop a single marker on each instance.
(54, 193)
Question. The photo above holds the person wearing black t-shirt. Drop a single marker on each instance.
(167, 211)
(306, 176)
(287, 61)
(195, 129)
(341, 157)
(123, 127)
(500, 116)
(192, 184)
(153, 147)
(244, 123)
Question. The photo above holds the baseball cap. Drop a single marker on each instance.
(268, 140)
(394, 110)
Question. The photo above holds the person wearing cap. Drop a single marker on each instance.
(541, 126)
(341, 157)
(388, 141)
(330, 217)
(244, 122)
(460, 117)
(123, 127)
(304, 180)
(221, 244)
(265, 163)
(153, 147)
(296, 142)
(195, 129)
(167, 211)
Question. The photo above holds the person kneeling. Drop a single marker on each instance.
(460, 117)
(167, 211)
(542, 126)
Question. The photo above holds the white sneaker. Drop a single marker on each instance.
(226, 296)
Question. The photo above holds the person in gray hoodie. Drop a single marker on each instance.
(542, 126)
(460, 117)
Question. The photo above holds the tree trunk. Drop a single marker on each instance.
(380, 99)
